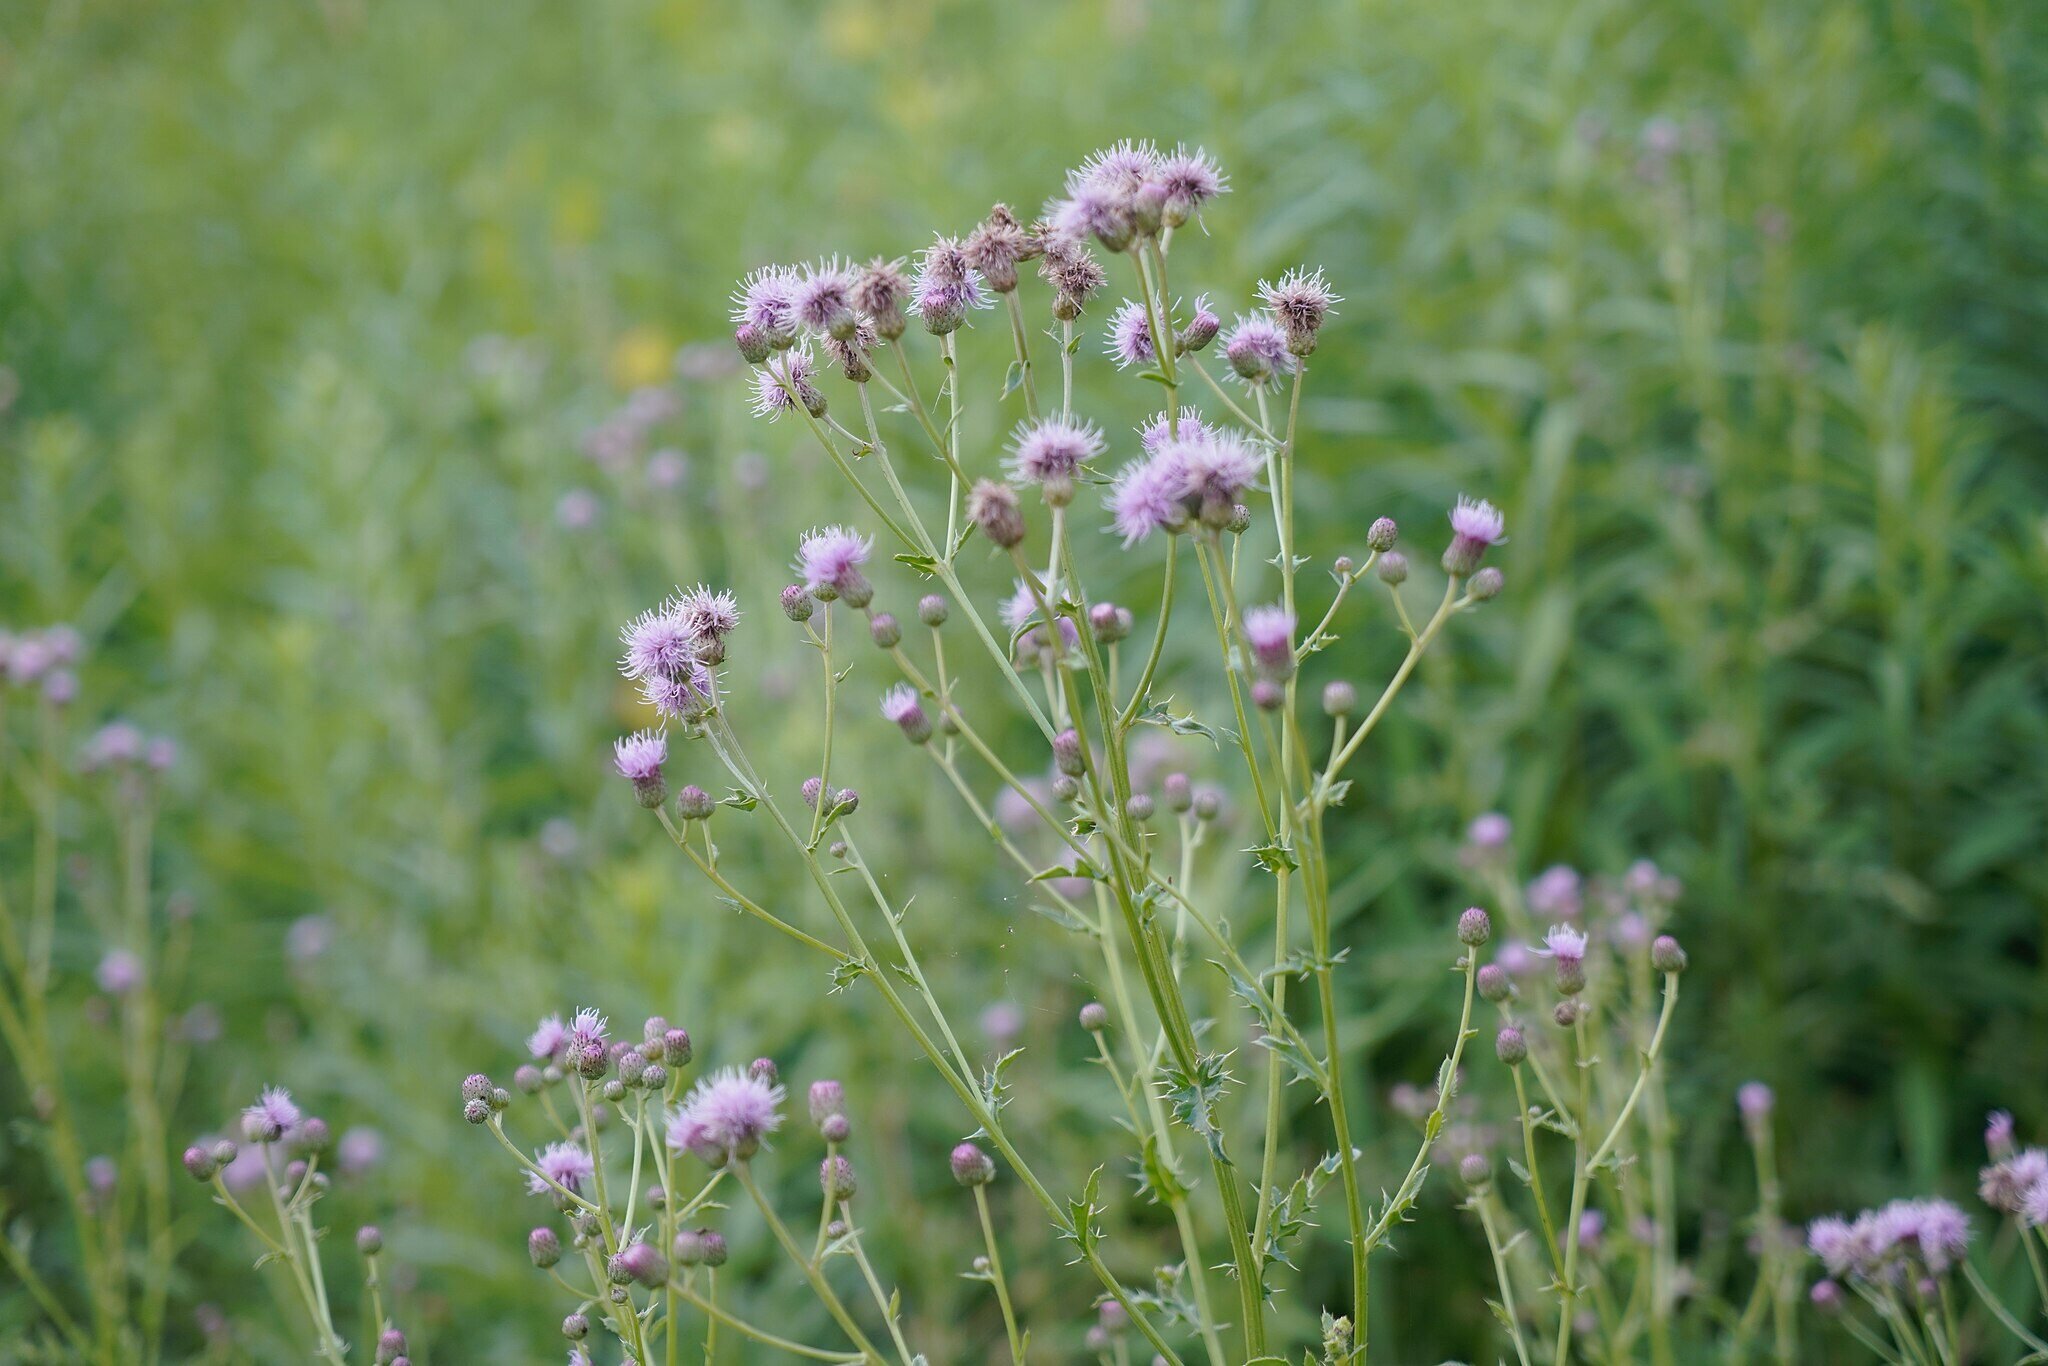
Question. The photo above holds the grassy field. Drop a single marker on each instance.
(319, 322)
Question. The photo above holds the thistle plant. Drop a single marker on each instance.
(840, 349)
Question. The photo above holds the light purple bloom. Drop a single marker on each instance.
(565, 1164)
(589, 1029)
(1301, 299)
(1754, 1100)
(1053, 448)
(946, 287)
(901, 704)
(1002, 1022)
(1565, 944)
(358, 1149)
(639, 756)
(1191, 179)
(1129, 338)
(783, 382)
(1269, 631)
(1119, 170)
(706, 612)
(729, 1112)
(1998, 1132)
(1022, 604)
(1477, 520)
(823, 298)
(119, 972)
(683, 697)
(2034, 1208)
(1216, 466)
(660, 642)
(1159, 428)
(1489, 830)
(831, 557)
(1257, 350)
(1556, 893)
(117, 742)
(766, 300)
(548, 1039)
(2008, 1183)
(271, 1117)
(1146, 496)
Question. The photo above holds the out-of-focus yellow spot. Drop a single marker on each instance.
(577, 213)
(641, 357)
(853, 30)
(295, 641)
(733, 136)
(639, 887)
(912, 105)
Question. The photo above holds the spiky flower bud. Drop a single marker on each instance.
(543, 1247)
(972, 1166)
(931, 610)
(1068, 754)
(1510, 1047)
(1494, 983)
(390, 1346)
(199, 1162)
(1666, 955)
(369, 1240)
(1486, 584)
(575, 1328)
(1139, 807)
(476, 1111)
(1110, 622)
(700, 1247)
(836, 1179)
(1474, 927)
(796, 603)
(884, 630)
(1382, 534)
(1475, 1170)
(675, 1047)
(1393, 569)
(476, 1086)
(754, 343)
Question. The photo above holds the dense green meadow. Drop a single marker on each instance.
(367, 365)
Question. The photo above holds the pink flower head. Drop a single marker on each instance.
(947, 287)
(1159, 428)
(564, 1164)
(1565, 944)
(1269, 631)
(2034, 1205)
(1490, 830)
(1216, 467)
(683, 697)
(1129, 338)
(1146, 496)
(1556, 894)
(660, 642)
(639, 756)
(1022, 604)
(1257, 350)
(2008, 1183)
(1119, 170)
(706, 612)
(1477, 520)
(119, 972)
(1831, 1239)
(588, 1028)
(782, 383)
(1934, 1230)
(548, 1039)
(823, 298)
(116, 743)
(271, 1117)
(729, 1113)
(831, 557)
(1301, 299)
(1053, 448)
(1754, 1100)
(766, 301)
(1191, 179)
(1998, 1133)
(901, 704)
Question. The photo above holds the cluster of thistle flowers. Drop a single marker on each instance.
(1128, 880)
(281, 1152)
(632, 1246)
(1903, 1259)
(117, 1198)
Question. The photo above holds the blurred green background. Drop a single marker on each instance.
(318, 320)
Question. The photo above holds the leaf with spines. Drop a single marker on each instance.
(1195, 1095)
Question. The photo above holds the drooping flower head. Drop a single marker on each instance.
(1475, 525)
(903, 705)
(565, 1164)
(1072, 270)
(1191, 179)
(822, 298)
(727, 1115)
(1269, 631)
(829, 559)
(1301, 300)
(995, 247)
(1053, 448)
(1159, 428)
(766, 302)
(948, 287)
(786, 382)
(271, 1117)
(1257, 350)
(683, 697)
(548, 1039)
(1202, 326)
(1129, 338)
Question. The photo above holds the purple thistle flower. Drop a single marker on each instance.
(706, 612)
(881, 292)
(1555, 894)
(729, 1112)
(1071, 269)
(829, 558)
(1754, 1100)
(1489, 830)
(1831, 1239)
(119, 972)
(903, 705)
(1022, 604)
(1158, 428)
(1301, 299)
(1191, 179)
(1565, 944)
(116, 743)
(660, 642)
(1146, 496)
(851, 352)
(823, 298)
(1119, 169)
(1129, 338)
(639, 756)
(947, 287)
(766, 301)
(1257, 350)
(1998, 1132)
(2009, 1183)
(1475, 525)
(271, 1117)
(2034, 1207)
(783, 382)
(684, 697)
(1053, 448)
(1269, 631)
(1202, 326)
(565, 1164)
(1216, 467)
(588, 1029)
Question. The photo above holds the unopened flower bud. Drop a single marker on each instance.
(1510, 1047)
(972, 1166)
(476, 1111)
(1239, 521)
(1066, 787)
(1200, 331)
(693, 803)
(1208, 804)
(476, 1086)
(1666, 955)
(390, 1346)
(575, 1328)
(700, 1247)
(1139, 807)
(1109, 622)
(1474, 1170)
(931, 610)
(199, 1162)
(543, 1247)
(1339, 698)
(1494, 983)
(369, 1240)
(224, 1152)
(884, 630)
(675, 1046)
(1474, 927)
(796, 603)
(826, 1098)
(1095, 1017)
(614, 1090)
(835, 1178)
(638, 1262)
(836, 1128)
(1382, 534)
(764, 1069)
(1178, 791)
(1393, 568)
(1568, 1012)
(1068, 755)
(1485, 584)
(753, 342)
(993, 508)
(1268, 695)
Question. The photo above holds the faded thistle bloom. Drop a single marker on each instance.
(548, 1039)
(1190, 179)
(1201, 329)
(1072, 271)
(993, 508)
(1162, 427)
(902, 705)
(781, 383)
(1475, 525)
(822, 299)
(1053, 449)
(1129, 339)
(271, 1117)
(880, 292)
(1300, 300)
(1257, 350)
(996, 246)
(563, 1164)
(1556, 893)
(726, 1116)
(639, 758)
(948, 287)
(829, 559)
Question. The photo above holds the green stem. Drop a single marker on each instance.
(819, 1285)
(995, 1272)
